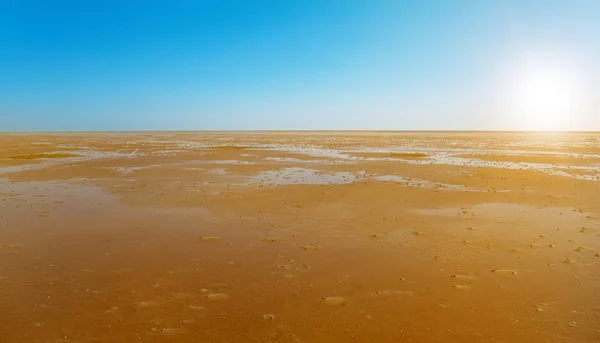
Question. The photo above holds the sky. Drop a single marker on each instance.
(299, 65)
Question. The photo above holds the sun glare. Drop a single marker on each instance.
(545, 96)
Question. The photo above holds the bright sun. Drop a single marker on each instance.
(544, 96)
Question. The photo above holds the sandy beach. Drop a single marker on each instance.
(300, 237)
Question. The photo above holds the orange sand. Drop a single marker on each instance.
(299, 237)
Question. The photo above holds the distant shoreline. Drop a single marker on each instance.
(294, 131)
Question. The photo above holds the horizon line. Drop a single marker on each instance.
(302, 130)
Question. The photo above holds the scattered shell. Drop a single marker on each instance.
(268, 316)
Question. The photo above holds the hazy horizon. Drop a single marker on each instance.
(309, 130)
(312, 65)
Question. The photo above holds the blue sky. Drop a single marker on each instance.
(395, 65)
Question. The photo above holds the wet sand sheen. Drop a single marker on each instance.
(164, 238)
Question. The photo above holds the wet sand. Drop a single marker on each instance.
(300, 237)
